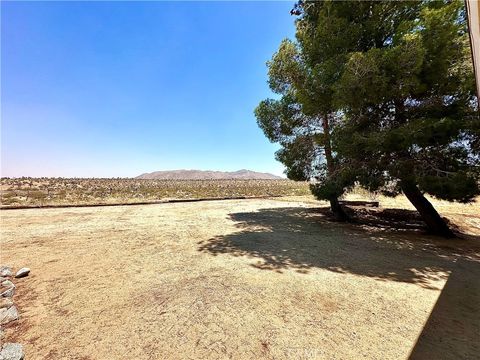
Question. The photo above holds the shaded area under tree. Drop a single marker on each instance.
(388, 245)
(306, 238)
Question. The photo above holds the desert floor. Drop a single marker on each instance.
(241, 279)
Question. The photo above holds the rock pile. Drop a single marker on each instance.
(8, 311)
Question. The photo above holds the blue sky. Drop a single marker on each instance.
(107, 89)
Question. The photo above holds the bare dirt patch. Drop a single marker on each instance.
(244, 279)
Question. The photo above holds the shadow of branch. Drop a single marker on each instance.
(377, 246)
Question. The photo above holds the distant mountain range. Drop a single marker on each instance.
(208, 175)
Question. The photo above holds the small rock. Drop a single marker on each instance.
(12, 351)
(7, 284)
(5, 271)
(22, 272)
(7, 315)
(10, 289)
(8, 293)
(5, 302)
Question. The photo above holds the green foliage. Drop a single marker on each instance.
(394, 81)
(332, 186)
(301, 119)
(410, 108)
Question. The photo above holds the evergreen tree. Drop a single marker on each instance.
(411, 119)
(301, 121)
(379, 93)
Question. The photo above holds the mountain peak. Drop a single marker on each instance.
(208, 175)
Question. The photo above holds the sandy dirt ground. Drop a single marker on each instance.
(241, 279)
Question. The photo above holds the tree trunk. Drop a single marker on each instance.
(335, 206)
(436, 225)
(337, 210)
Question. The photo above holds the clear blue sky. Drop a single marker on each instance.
(106, 89)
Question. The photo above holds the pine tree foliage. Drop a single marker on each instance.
(379, 93)
(410, 107)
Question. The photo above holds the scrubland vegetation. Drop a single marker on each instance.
(81, 191)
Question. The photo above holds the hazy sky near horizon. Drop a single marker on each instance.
(107, 89)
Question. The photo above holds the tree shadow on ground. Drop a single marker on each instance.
(385, 244)
(388, 245)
